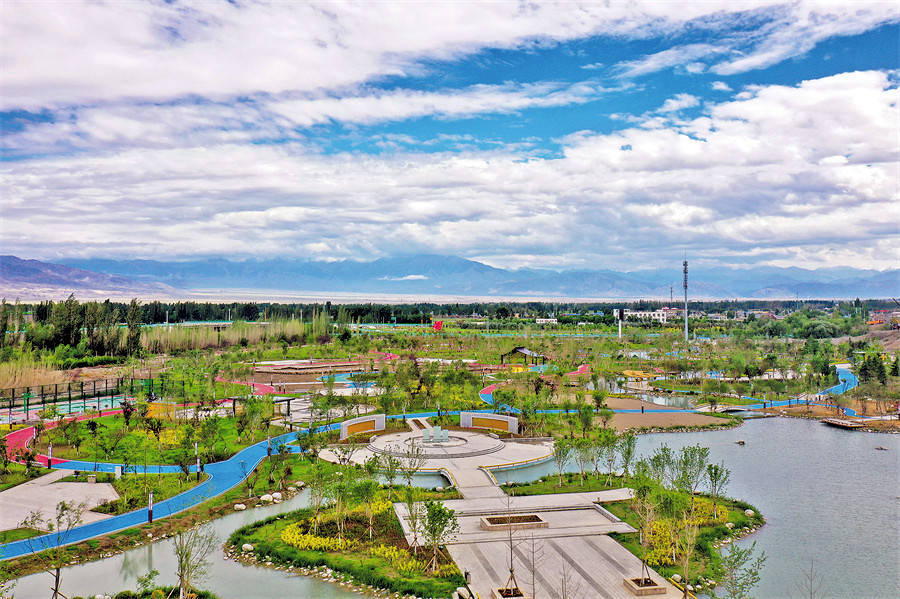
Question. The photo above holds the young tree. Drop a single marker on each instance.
(606, 415)
(810, 586)
(68, 515)
(717, 476)
(609, 441)
(133, 319)
(366, 491)
(192, 549)
(389, 466)
(585, 418)
(414, 514)
(412, 461)
(439, 527)
(584, 448)
(627, 445)
(562, 451)
(690, 468)
(739, 571)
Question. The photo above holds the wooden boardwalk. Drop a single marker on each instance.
(843, 423)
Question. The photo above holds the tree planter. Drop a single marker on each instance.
(508, 593)
(642, 587)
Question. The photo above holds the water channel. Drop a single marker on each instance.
(828, 496)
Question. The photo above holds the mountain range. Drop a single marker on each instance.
(436, 275)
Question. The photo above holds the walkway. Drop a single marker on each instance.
(41, 494)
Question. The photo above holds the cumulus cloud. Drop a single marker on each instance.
(679, 102)
(799, 174)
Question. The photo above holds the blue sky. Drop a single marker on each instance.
(520, 134)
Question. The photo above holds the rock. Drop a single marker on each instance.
(676, 577)
(267, 498)
(239, 507)
(729, 525)
(246, 547)
(462, 593)
(690, 587)
(276, 496)
(292, 488)
(749, 513)
(439, 488)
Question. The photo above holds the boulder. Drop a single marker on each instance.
(749, 513)
(246, 547)
(462, 593)
(729, 525)
(239, 507)
(676, 577)
(276, 496)
(267, 498)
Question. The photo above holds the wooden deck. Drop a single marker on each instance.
(843, 423)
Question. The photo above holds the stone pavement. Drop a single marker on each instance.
(44, 492)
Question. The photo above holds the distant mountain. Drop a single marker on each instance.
(34, 279)
(450, 275)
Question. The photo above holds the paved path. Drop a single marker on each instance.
(42, 494)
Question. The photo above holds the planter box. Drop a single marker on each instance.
(632, 584)
(514, 522)
(495, 594)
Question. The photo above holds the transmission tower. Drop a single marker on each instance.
(685, 303)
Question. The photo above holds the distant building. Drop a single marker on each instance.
(545, 321)
(653, 315)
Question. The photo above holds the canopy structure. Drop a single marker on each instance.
(525, 353)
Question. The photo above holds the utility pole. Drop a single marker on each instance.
(685, 303)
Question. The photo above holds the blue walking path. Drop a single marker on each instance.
(227, 474)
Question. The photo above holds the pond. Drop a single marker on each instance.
(828, 496)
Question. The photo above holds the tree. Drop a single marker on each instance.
(599, 397)
(133, 320)
(584, 448)
(608, 443)
(605, 416)
(439, 527)
(562, 451)
(68, 516)
(739, 571)
(810, 586)
(627, 445)
(414, 514)
(366, 491)
(389, 466)
(718, 476)
(128, 410)
(192, 549)
(585, 418)
(412, 460)
(690, 468)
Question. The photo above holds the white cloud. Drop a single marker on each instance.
(90, 51)
(679, 102)
(795, 173)
(721, 86)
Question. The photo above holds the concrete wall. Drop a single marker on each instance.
(368, 423)
(489, 421)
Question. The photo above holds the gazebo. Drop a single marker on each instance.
(525, 353)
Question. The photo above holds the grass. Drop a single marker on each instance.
(17, 534)
(134, 489)
(15, 475)
(141, 445)
(384, 561)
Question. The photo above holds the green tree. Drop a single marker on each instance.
(562, 451)
(439, 527)
(133, 319)
(585, 418)
(365, 491)
(717, 476)
(627, 445)
(68, 515)
(739, 571)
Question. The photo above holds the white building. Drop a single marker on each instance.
(545, 321)
(660, 316)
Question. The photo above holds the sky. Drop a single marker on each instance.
(616, 135)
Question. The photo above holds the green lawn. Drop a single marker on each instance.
(134, 489)
(138, 445)
(17, 534)
(384, 561)
(15, 475)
